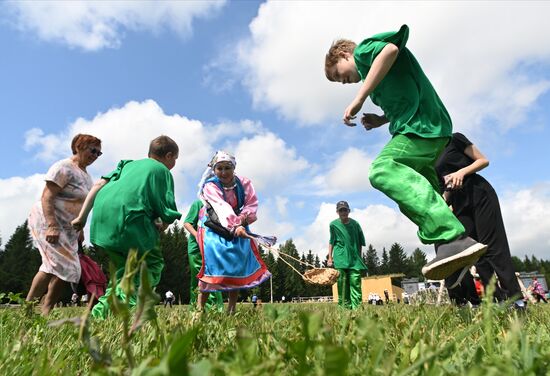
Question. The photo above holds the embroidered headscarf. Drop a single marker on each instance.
(220, 156)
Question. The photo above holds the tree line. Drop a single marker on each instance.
(20, 260)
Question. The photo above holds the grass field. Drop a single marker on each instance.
(289, 339)
(274, 339)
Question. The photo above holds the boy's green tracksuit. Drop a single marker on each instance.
(124, 211)
(421, 128)
(346, 240)
(215, 299)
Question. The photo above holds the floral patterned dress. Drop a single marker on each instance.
(61, 259)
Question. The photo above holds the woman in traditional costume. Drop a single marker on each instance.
(230, 257)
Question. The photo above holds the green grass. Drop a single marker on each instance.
(278, 339)
(290, 339)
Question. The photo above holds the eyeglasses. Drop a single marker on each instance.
(96, 152)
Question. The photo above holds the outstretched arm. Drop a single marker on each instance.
(380, 67)
(80, 221)
(456, 179)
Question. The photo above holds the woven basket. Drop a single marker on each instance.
(321, 276)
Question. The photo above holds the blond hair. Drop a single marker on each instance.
(333, 54)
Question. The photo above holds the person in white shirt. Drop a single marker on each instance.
(168, 298)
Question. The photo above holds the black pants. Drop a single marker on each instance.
(476, 206)
(540, 297)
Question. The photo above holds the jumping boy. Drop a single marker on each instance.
(344, 253)
(190, 223)
(128, 203)
(420, 127)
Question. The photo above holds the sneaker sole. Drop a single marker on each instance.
(444, 268)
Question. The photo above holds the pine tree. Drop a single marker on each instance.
(19, 262)
(372, 261)
(416, 261)
(527, 264)
(292, 285)
(384, 264)
(535, 263)
(397, 259)
(175, 275)
(311, 290)
(518, 264)
(271, 264)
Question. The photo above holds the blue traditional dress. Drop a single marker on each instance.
(228, 263)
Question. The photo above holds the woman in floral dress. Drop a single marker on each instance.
(67, 184)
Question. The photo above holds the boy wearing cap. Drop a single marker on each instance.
(344, 253)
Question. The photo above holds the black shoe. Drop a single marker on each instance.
(452, 256)
(465, 270)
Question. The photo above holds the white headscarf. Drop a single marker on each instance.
(220, 156)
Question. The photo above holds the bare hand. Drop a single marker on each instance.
(52, 235)
(371, 121)
(241, 232)
(350, 112)
(454, 180)
(330, 263)
(78, 224)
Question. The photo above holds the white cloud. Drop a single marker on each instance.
(93, 25)
(525, 214)
(268, 161)
(349, 173)
(477, 55)
(126, 132)
(282, 205)
(17, 196)
(269, 222)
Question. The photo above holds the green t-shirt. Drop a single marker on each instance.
(406, 96)
(137, 193)
(346, 240)
(193, 218)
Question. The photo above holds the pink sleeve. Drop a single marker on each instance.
(250, 202)
(228, 219)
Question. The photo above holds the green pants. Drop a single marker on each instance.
(215, 299)
(404, 171)
(349, 288)
(155, 264)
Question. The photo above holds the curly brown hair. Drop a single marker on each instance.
(333, 54)
(82, 141)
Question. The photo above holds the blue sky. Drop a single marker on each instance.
(248, 77)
